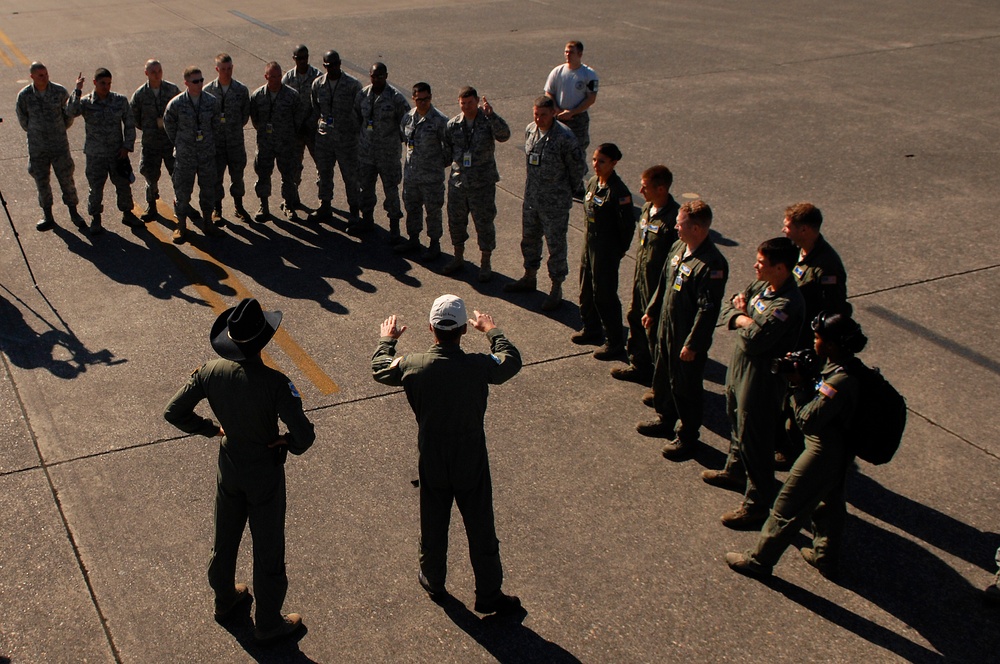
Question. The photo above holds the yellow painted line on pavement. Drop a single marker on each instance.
(6, 59)
(13, 49)
(302, 360)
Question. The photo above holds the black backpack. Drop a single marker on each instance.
(880, 417)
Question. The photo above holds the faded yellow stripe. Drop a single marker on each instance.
(302, 360)
(6, 59)
(13, 49)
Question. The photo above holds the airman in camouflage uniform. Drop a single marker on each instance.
(427, 155)
(301, 78)
(41, 112)
(192, 123)
(380, 109)
(230, 144)
(148, 104)
(332, 99)
(472, 187)
(110, 137)
(767, 317)
(554, 165)
(276, 111)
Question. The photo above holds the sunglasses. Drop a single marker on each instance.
(197, 81)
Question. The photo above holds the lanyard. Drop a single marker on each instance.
(469, 135)
(197, 112)
(333, 93)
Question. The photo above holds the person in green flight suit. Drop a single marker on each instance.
(610, 225)
(447, 389)
(767, 317)
(248, 398)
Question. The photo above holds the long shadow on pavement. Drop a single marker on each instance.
(916, 587)
(936, 528)
(504, 637)
(28, 349)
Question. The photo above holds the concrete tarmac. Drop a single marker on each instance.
(883, 114)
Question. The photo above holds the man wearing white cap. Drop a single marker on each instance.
(447, 390)
(248, 398)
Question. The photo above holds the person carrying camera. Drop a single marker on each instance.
(824, 406)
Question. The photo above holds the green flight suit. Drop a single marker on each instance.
(248, 398)
(610, 223)
(815, 486)
(686, 303)
(447, 389)
(753, 393)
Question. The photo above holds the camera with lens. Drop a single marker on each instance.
(805, 362)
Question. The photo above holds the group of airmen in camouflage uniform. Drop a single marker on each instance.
(197, 134)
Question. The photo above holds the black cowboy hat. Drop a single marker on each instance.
(243, 330)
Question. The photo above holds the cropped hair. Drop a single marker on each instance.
(545, 102)
(422, 87)
(191, 71)
(468, 91)
(698, 212)
(780, 251)
(578, 45)
(804, 214)
(658, 176)
(223, 58)
(101, 73)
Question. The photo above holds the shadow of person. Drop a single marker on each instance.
(721, 240)
(916, 587)
(504, 637)
(128, 263)
(61, 353)
(283, 651)
(925, 523)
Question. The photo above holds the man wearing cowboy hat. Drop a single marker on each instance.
(248, 398)
(447, 391)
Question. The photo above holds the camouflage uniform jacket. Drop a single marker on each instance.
(234, 112)
(147, 109)
(555, 164)
(380, 116)
(427, 153)
(108, 122)
(333, 107)
(43, 116)
(480, 143)
(192, 129)
(277, 120)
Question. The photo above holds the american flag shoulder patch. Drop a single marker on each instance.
(827, 390)
(780, 315)
(716, 274)
(625, 200)
(828, 279)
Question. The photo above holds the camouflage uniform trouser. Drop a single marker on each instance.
(299, 146)
(328, 154)
(481, 203)
(185, 171)
(552, 225)
(580, 126)
(99, 167)
(263, 166)
(416, 197)
(235, 159)
(150, 159)
(391, 171)
(41, 165)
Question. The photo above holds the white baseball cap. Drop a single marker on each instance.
(448, 313)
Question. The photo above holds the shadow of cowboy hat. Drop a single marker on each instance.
(243, 330)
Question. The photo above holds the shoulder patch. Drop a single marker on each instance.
(625, 200)
(780, 315)
(291, 388)
(827, 390)
(828, 279)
